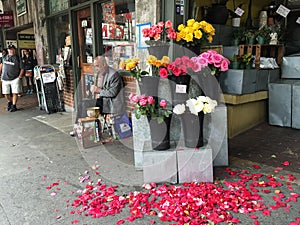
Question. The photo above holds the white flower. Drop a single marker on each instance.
(194, 106)
(179, 109)
(209, 105)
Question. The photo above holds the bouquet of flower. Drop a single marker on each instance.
(215, 61)
(196, 105)
(195, 33)
(132, 65)
(159, 33)
(159, 66)
(180, 66)
(146, 105)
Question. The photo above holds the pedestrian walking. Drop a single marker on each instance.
(11, 69)
(29, 63)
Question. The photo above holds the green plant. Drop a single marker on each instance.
(249, 34)
(247, 58)
(238, 33)
(264, 32)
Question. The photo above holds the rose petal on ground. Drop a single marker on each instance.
(256, 167)
(286, 163)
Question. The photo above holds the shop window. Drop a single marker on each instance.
(61, 41)
(118, 30)
(88, 40)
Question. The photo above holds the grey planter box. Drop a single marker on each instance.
(238, 81)
(264, 77)
(291, 67)
(296, 105)
(280, 103)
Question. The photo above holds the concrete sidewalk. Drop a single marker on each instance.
(37, 150)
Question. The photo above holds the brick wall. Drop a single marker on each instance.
(130, 86)
(69, 89)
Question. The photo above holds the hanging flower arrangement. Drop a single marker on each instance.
(195, 33)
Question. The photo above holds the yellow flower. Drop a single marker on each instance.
(130, 65)
(196, 25)
(165, 60)
(151, 59)
(209, 38)
(198, 34)
(180, 27)
(209, 29)
(188, 37)
(190, 22)
(158, 63)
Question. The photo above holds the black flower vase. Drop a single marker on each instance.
(159, 51)
(192, 126)
(160, 133)
(179, 86)
(149, 86)
(209, 83)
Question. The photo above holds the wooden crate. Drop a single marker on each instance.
(270, 51)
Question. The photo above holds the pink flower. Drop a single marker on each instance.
(168, 24)
(143, 102)
(224, 64)
(150, 100)
(176, 71)
(163, 103)
(163, 72)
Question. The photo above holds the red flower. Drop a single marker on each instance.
(163, 72)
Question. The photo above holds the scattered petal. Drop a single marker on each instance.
(286, 163)
(256, 167)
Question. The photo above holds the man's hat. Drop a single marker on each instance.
(11, 47)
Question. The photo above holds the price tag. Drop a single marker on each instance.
(283, 11)
(239, 11)
(180, 88)
(298, 20)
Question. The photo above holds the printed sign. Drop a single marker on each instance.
(239, 11)
(283, 11)
(7, 19)
(180, 88)
(48, 77)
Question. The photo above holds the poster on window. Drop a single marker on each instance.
(109, 12)
(21, 7)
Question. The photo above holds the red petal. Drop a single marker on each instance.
(286, 163)
(253, 216)
(256, 167)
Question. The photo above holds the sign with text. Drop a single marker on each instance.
(283, 11)
(7, 19)
(26, 41)
(21, 7)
